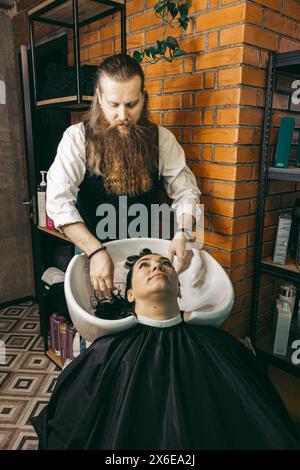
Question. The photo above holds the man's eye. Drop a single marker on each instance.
(131, 105)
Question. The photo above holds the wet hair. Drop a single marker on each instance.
(118, 306)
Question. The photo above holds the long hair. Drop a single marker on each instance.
(107, 153)
(118, 306)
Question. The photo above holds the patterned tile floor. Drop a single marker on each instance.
(27, 376)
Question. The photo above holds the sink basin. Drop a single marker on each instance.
(207, 292)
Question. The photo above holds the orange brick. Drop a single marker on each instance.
(186, 135)
(219, 58)
(90, 38)
(273, 4)
(248, 96)
(223, 172)
(192, 152)
(110, 31)
(230, 76)
(153, 87)
(237, 154)
(285, 45)
(187, 100)
(221, 17)
(157, 33)
(226, 208)
(228, 116)
(253, 14)
(164, 102)
(291, 9)
(134, 6)
(207, 153)
(155, 117)
(175, 131)
(278, 23)
(253, 117)
(217, 97)
(260, 38)
(246, 190)
(188, 82)
(140, 21)
(162, 69)
(232, 35)
(224, 242)
(213, 39)
(100, 50)
(135, 40)
(208, 118)
(193, 44)
(198, 5)
(182, 118)
(209, 80)
(251, 56)
(150, 3)
(117, 46)
(215, 135)
(224, 190)
(188, 65)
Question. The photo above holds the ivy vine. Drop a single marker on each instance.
(166, 49)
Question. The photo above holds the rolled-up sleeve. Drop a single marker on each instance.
(179, 181)
(65, 176)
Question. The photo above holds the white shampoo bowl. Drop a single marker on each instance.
(207, 292)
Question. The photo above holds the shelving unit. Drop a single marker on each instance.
(290, 63)
(70, 16)
(46, 121)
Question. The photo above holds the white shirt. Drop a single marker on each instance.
(68, 170)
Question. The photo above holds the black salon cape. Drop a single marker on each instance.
(180, 387)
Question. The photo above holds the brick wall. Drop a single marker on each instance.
(213, 101)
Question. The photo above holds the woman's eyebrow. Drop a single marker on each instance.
(129, 102)
(147, 259)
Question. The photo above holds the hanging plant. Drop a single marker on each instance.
(167, 48)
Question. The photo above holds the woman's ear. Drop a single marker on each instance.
(130, 295)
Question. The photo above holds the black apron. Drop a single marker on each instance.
(92, 193)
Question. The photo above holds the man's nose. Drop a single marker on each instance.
(157, 266)
(122, 113)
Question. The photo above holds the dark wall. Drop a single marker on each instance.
(16, 271)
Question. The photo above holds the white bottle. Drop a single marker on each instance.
(41, 200)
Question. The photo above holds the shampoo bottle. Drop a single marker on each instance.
(41, 200)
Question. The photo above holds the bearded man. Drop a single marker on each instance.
(118, 152)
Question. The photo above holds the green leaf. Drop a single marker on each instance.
(173, 9)
(183, 9)
(160, 6)
(138, 56)
(184, 22)
(161, 47)
(151, 52)
(172, 43)
(178, 53)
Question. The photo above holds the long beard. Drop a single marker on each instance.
(127, 159)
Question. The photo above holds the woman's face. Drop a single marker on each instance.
(153, 274)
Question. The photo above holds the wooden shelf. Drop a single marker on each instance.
(64, 100)
(289, 266)
(55, 233)
(265, 346)
(292, 173)
(54, 358)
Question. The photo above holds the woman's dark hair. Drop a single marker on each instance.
(118, 306)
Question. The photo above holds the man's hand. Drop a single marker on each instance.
(102, 273)
(178, 247)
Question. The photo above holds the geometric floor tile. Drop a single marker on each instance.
(27, 376)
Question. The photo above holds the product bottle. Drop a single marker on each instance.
(41, 200)
(287, 293)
